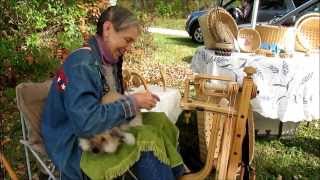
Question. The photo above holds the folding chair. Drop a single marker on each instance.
(30, 101)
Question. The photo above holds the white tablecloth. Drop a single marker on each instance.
(288, 88)
(169, 101)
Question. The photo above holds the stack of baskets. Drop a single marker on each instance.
(308, 32)
(219, 30)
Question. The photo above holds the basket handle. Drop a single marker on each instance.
(140, 78)
(210, 24)
(162, 78)
(135, 78)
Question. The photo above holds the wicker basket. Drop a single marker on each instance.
(204, 124)
(209, 41)
(308, 32)
(221, 25)
(249, 40)
(207, 24)
(283, 37)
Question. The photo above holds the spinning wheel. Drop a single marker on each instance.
(231, 139)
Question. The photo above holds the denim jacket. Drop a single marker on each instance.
(73, 108)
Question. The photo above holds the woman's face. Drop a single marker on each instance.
(121, 41)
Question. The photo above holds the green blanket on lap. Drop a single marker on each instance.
(158, 134)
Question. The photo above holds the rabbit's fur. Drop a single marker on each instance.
(109, 140)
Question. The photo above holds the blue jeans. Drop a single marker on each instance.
(150, 168)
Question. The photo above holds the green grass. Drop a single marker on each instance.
(170, 23)
(294, 157)
(172, 49)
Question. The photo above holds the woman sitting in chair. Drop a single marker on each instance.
(73, 109)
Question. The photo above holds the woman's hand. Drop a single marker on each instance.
(145, 100)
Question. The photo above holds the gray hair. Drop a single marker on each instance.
(121, 18)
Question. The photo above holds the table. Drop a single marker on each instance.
(169, 100)
(288, 87)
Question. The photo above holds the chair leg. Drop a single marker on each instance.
(132, 175)
(23, 126)
(28, 148)
(52, 170)
(35, 154)
(28, 163)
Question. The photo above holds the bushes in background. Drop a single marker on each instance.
(33, 32)
(36, 35)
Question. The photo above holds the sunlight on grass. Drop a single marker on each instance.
(172, 49)
(292, 158)
(170, 23)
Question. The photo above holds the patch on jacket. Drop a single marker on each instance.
(62, 80)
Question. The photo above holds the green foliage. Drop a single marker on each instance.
(70, 40)
(10, 93)
(34, 29)
(164, 9)
(33, 40)
(43, 65)
(71, 37)
(9, 55)
(39, 19)
(171, 9)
